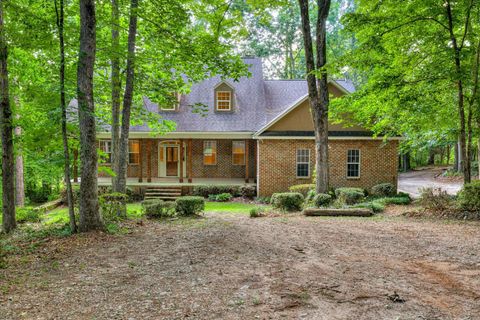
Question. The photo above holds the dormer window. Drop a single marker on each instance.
(224, 100)
(224, 97)
(172, 104)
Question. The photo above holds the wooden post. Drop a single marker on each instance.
(149, 160)
(181, 161)
(246, 161)
(140, 165)
(189, 163)
(75, 165)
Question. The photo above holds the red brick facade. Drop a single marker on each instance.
(277, 164)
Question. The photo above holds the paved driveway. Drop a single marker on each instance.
(411, 182)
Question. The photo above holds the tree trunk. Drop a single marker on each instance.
(19, 175)
(465, 159)
(8, 166)
(127, 101)
(431, 157)
(456, 158)
(89, 215)
(317, 87)
(63, 107)
(116, 88)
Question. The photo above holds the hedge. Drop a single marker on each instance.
(384, 190)
(158, 208)
(302, 188)
(349, 195)
(189, 205)
(288, 201)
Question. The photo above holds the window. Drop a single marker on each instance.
(133, 151)
(353, 163)
(303, 163)
(106, 148)
(224, 100)
(209, 153)
(238, 153)
(175, 102)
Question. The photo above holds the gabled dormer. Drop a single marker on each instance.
(224, 97)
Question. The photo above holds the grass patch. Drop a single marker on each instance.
(229, 207)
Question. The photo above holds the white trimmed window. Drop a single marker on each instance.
(106, 148)
(353, 163)
(224, 100)
(210, 153)
(303, 163)
(133, 151)
(238, 153)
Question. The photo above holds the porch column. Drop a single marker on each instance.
(189, 162)
(246, 161)
(140, 165)
(149, 160)
(75, 166)
(181, 162)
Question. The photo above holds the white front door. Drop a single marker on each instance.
(169, 160)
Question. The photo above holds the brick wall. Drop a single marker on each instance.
(277, 166)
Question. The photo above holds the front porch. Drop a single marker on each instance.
(158, 182)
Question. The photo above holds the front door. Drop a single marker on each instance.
(171, 161)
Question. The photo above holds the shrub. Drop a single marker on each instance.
(205, 191)
(302, 188)
(310, 195)
(190, 205)
(113, 206)
(256, 212)
(384, 190)
(288, 201)
(222, 197)
(28, 214)
(264, 200)
(158, 208)
(469, 196)
(435, 199)
(375, 206)
(396, 200)
(248, 192)
(322, 200)
(349, 196)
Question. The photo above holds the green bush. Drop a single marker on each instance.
(310, 195)
(113, 206)
(205, 191)
(256, 212)
(28, 214)
(397, 200)
(288, 201)
(248, 192)
(321, 200)
(469, 197)
(158, 208)
(384, 190)
(264, 200)
(375, 206)
(222, 197)
(190, 205)
(349, 196)
(302, 188)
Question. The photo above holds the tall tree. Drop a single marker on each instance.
(6, 122)
(122, 157)
(116, 91)
(318, 86)
(60, 13)
(19, 176)
(89, 208)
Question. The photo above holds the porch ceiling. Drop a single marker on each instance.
(105, 181)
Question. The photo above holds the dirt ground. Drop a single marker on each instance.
(234, 267)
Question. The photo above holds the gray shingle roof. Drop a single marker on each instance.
(257, 101)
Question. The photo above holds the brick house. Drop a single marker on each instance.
(255, 131)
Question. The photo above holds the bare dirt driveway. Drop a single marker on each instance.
(412, 181)
(227, 266)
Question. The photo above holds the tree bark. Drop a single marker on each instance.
(6, 122)
(116, 88)
(121, 183)
(89, 215)
(317, 87)
(19, 174)
(63, 107)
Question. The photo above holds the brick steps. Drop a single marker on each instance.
(163, 193)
